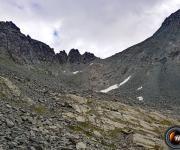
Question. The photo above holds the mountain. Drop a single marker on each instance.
(24, 50)
(152, 65)
(79, 101)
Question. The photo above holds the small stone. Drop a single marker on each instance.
(8, 106)
(28, 118)
(1, 148)
(54, 128)
(33, 114)
(96, 133)
(38, 147)
(80, 146)
(24, 118)
(47, 122)
(80, 119)
(32, 148)
(32, 133)
(12, 145)
(9, 123)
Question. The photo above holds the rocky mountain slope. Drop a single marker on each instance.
(74, 101)
(69, 121)
(152, 67)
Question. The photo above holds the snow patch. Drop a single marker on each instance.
(113, 87)
(91, 64)
(76, 72)
(139, 88)
(126, 80)
(140, 98)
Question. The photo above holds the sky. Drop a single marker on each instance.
(103, 27)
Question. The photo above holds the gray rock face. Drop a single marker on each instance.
(75, 57)
(80, 146)
(9, 123)
(87, 57)
(62, 57)
(172, 20)
(24, 50)
(21, 48)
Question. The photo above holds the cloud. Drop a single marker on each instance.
(100, 26)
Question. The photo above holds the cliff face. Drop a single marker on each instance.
(23, 49)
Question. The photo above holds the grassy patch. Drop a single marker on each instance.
(156, 147)
(85, 127)
(89, 102)
(150, 119)
(40, 109)
(2, 95)
(81, 130)
(114, 133)
(166, 122)
(110, 145)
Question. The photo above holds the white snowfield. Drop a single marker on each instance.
(140, 88)
(76, 72)
(140, 98)
(116, 86)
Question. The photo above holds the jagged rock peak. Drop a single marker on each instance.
(87, 57)
(173, 19)
(8, 25)
(74, 52)
(25, 50)
(62, 57)
(170, 27)
(74, 56)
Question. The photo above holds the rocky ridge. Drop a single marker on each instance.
(24, 50)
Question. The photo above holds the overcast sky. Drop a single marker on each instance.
(103, 27)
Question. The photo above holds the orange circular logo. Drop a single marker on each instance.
(172, 137)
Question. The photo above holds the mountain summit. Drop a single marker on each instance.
(172, 20)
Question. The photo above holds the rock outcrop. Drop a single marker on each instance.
(21, 48)
(62, 57)
(75, 57)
